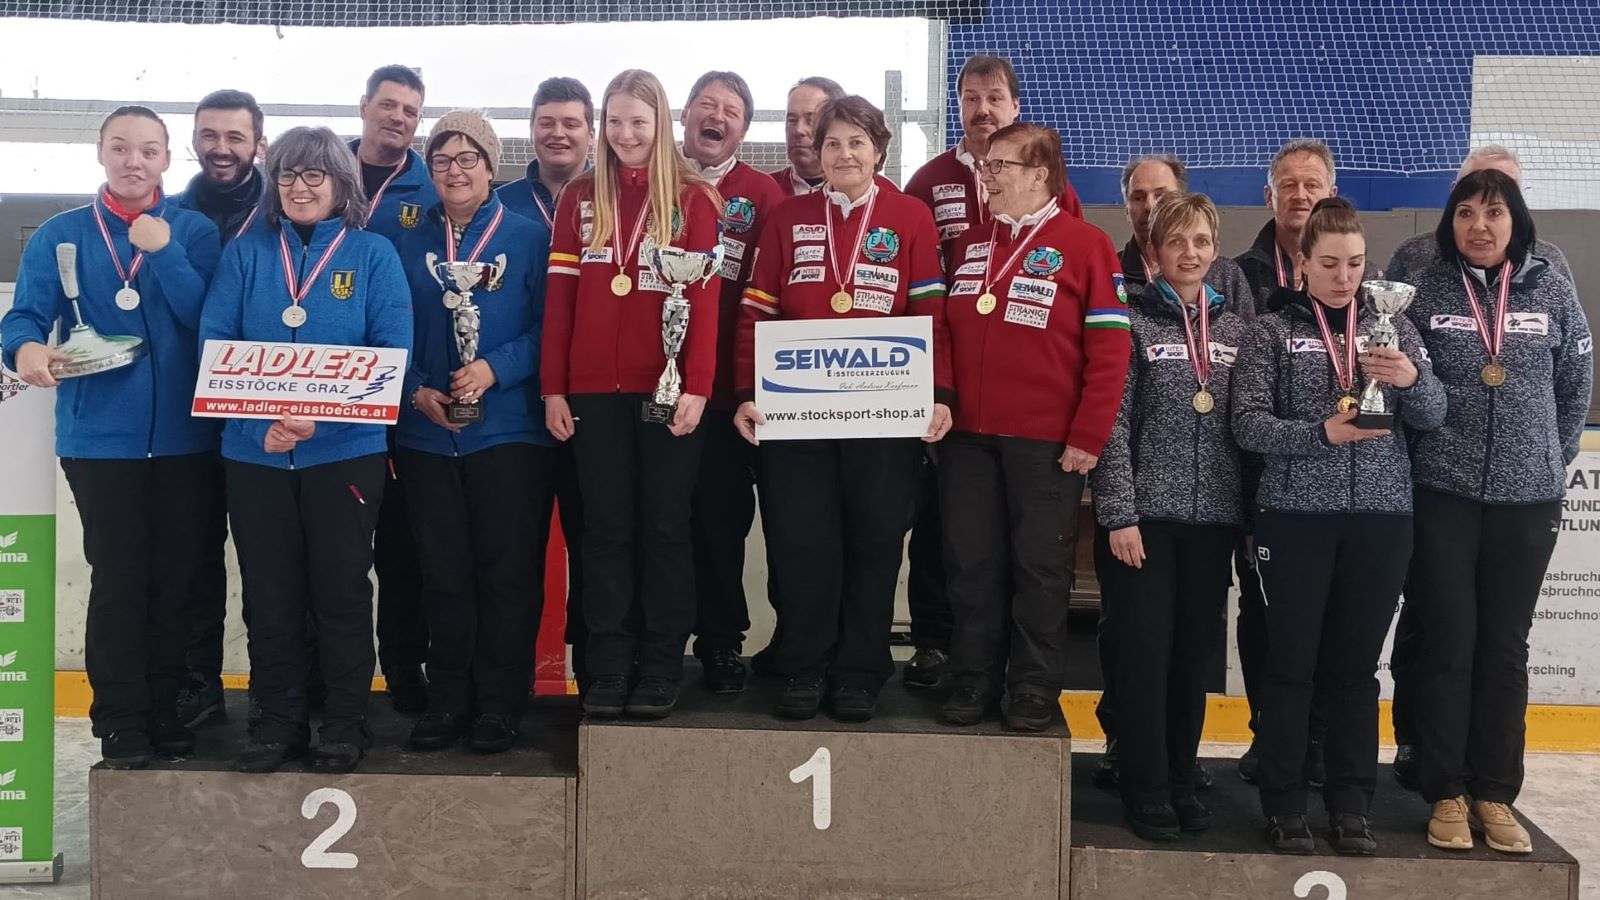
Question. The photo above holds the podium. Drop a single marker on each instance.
(404, 824)
(722, 800)
(1232, 861)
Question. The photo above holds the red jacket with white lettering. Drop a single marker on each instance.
(749, 198)
(950, 188)
(895, 264)
(1049, 360)
(595, 342)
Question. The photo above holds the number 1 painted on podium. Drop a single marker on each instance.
(819, 768)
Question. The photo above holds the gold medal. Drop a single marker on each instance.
(622, 285)
(987, 303)
(1204, 402)
(1346, 403)
(1493, 374)
(841, 303)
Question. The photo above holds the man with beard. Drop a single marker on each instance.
(715, 120)
(228, 142)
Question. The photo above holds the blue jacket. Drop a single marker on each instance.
(140, 410)
(401, 207)
(510, 321)
(247, 300)
(518, 196)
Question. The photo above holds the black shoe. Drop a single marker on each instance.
(317, 695)
(337, 757)
(1405, 767)
(1153, 821)
(267, 756)
(437, 730)
(1289, 834)
(653, 697)
(169, 738)
(725, 672)
(1351, 835)
(1029, 712)
(1316, 765)
(801, 698)
(200, 702)
(851, 703)
(965, 706)
(1193, 815)
(1250, 765)
(926, 668)
(1106, 774)
(1202, 777)
(606, 696)
(761, 663)
(125, 750)
(493, 733)
(408, 690)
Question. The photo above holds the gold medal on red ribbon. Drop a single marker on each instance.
(1493, 374)
(841, 303)
(1347, 403)
(622, 285)
(987, 304)
(1204, 402)
(1494, 336)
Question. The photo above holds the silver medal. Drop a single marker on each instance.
(294, 316)
(451, 299)
(127, 299)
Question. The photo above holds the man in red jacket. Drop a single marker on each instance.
(715, 120)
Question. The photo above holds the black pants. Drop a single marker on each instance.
(208, 598)
(1330, 583)
(1164, 620)
(1009, 557)
(1250, 628)
(402, 623)
(638, 559)
(569, 505)
(481, 522)
(1402, 666)
(840, 511)
(304, 538)
(1105, 643)
(1474, 581)
(926, 594)
(145, 548)
(724, 510)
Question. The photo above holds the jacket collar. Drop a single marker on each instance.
(321, 236)
(1158, 298)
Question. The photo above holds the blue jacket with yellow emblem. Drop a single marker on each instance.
(401, 204)
(510, 319)
(370, 308)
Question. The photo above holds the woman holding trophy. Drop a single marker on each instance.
(472, 446)
(303, 496)
(841, 508)
(632, 288)
(127, 275)
(1510, 342)
(1333, 519)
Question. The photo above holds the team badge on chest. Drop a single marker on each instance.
(739, 214)
(882, 245)
(410, 215)
(343, 284)
(1042, 262)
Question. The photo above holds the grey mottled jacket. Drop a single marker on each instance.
(1418, 253)
(1225, 277)
(1164, 460)
(1509, 444)
(1284, 388)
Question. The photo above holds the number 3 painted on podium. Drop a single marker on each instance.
(819, 768)
(316, 855)
(1311, 880)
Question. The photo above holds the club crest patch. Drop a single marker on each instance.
(410, 215)
(882, 245)
(1042, 262)
(739, 214)
(343, 284)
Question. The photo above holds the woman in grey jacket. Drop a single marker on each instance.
(1333, 523)
(1513, 350)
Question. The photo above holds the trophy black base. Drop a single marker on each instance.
(463, 413)
(1375, 420)
(657, 413)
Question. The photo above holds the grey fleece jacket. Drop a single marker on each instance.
(1509, 444)
(1420, 252)
(1284, 387)
(1164, 460)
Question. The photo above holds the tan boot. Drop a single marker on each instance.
(1501, 830)
(1448, 828)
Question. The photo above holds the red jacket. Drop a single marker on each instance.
(794, 277)
(595, 342)
(749, 198)
(786, 180)
(951, 189)
(1049, 361)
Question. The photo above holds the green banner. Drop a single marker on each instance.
(27, 687)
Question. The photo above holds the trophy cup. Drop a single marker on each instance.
(678, 268)
(459, 280)
(1390, 299)
(90, 350)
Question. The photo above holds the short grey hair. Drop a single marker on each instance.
(1489, 153)
(1171, 161)
(1314, 146)
(304, 148)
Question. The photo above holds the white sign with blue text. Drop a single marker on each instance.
(844, 378)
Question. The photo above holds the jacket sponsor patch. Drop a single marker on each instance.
(1585, 345)
(586, 209)
(603, 255)
(949, 192)
(650, 281)
(971, 268)
(1458, 323)
(978, 251)
(1223, 354)
(1034, 290)
(810, 233)
(952, 231)
(586, 231)
(874, 301)
(1306, 345)
(1024, 314)
(733, 248)
(1159, 352)
(731, 269)
(884, 278)
(1527, 323)
(965, 287)
(806, 275)
(946, 212)
(809, 253)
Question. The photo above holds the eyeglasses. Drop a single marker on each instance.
(996, 166)
(468, 160)
(312, 177)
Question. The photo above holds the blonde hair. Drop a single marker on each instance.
(670, 174)
(1179, 210)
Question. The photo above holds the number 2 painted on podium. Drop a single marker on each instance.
(819, 768)
(316, 855)
(1320, 879)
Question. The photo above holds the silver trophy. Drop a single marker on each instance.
(90, 350)
(1390, 299)
(459, 280)
(678, 268)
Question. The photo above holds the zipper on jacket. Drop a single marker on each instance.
(294, 333)
(1488, 445)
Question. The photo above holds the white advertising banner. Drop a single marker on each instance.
(322, 382)
(844, 378)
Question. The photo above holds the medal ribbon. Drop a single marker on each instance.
(1346, 373)
(372, 206)
(638, 232)
(297, 292)
(1493, 341)
(1277, 258)
(127, 275)
(544, 211)
(248, 221)
(1201, 357)
(483, 241)
(861, 236)
(1022, 245)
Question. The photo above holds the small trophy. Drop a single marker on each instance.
(678, 268)
(459, 280)
(90, 350)
(1390, 298)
